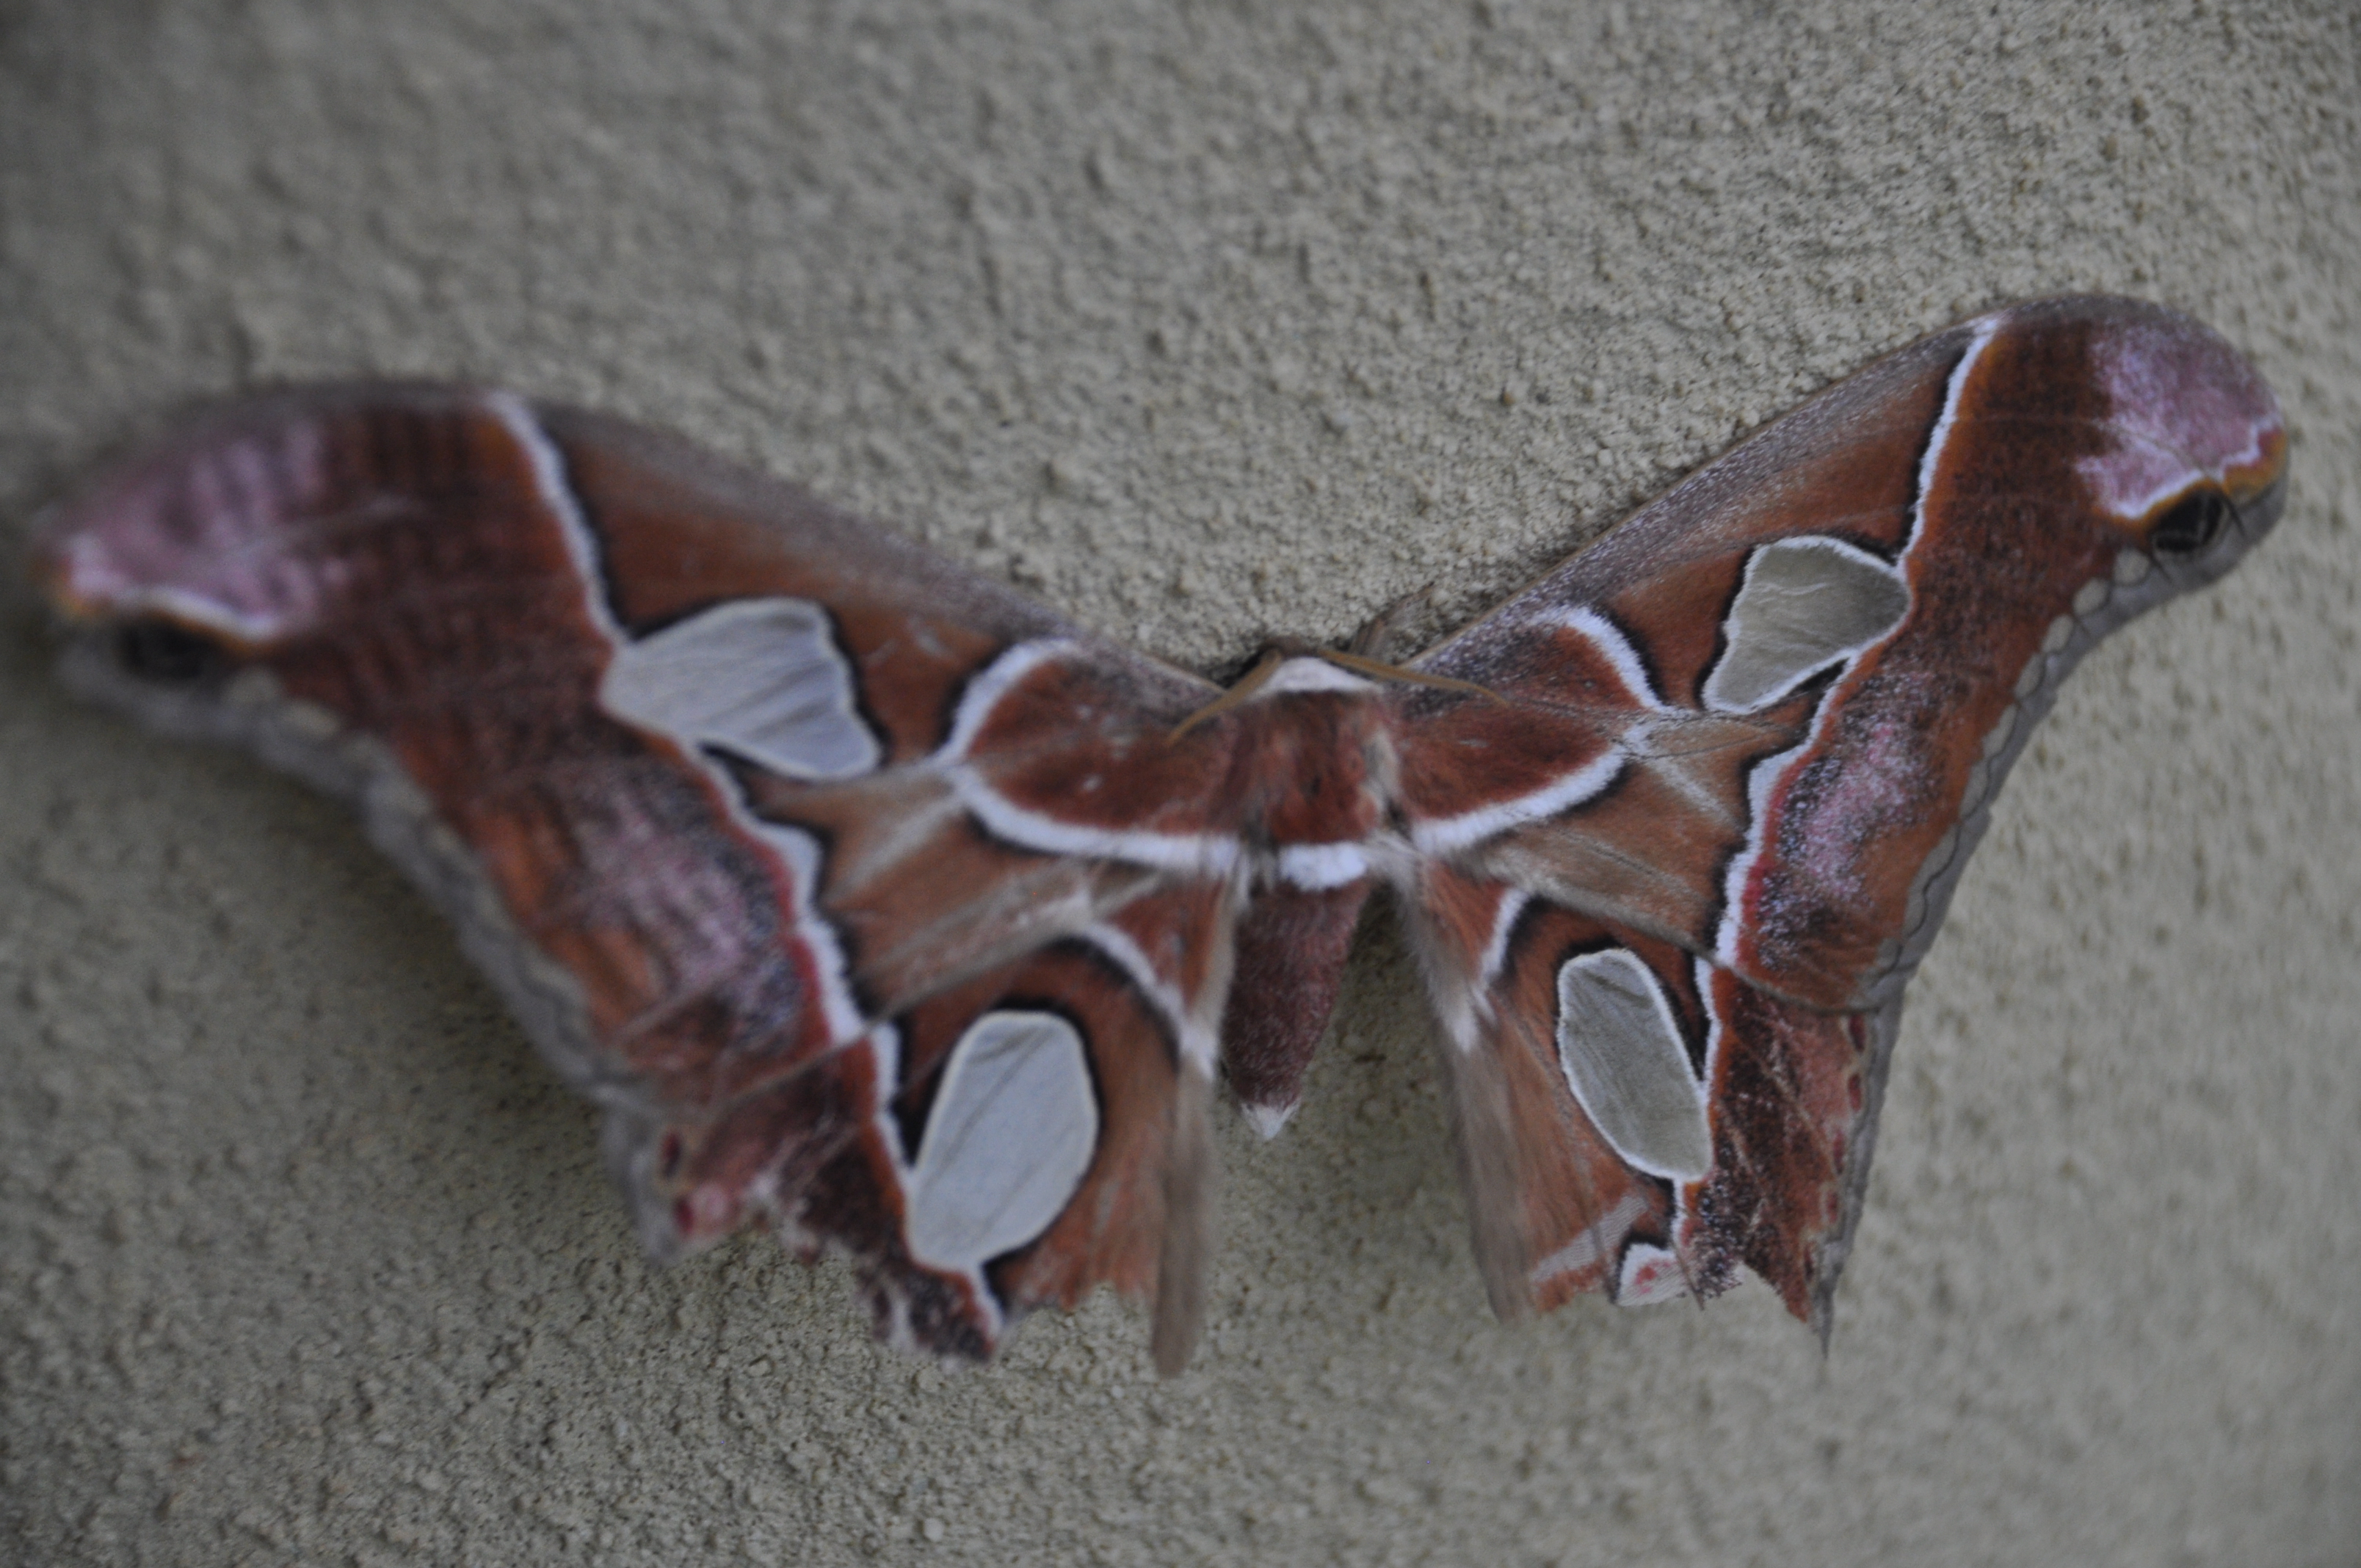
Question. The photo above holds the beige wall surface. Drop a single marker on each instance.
(1201, 321)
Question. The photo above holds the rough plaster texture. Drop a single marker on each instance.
(1201, 321)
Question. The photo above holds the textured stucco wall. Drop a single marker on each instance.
(1195, 320)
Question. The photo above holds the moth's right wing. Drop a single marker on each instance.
(1675, 878)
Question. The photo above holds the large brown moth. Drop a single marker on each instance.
(878, 905)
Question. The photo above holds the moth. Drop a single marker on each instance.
(878, 905)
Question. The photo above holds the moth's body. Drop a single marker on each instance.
(878, 902)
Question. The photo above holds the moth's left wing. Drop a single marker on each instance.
(751, 811)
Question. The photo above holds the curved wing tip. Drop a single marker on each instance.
(1268, 1120)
